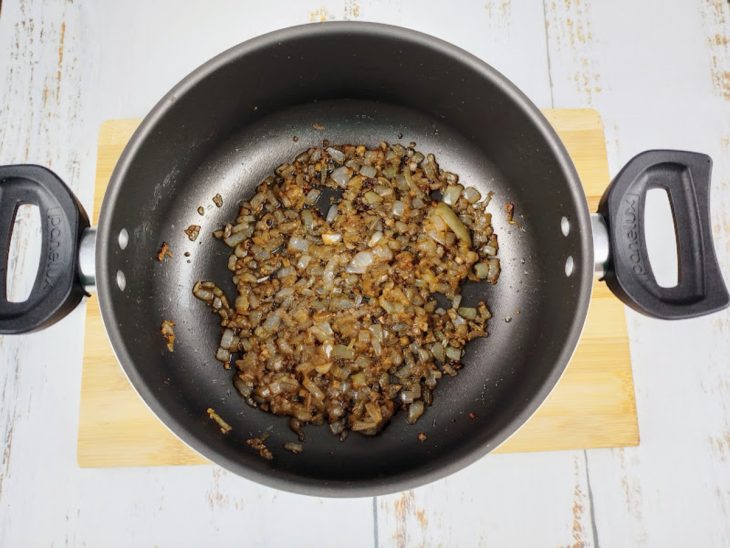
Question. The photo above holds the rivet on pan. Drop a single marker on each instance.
(569, 265)
(121, 280)
(565, 226)
(123, 239)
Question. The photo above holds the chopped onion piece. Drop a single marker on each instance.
(331, 238)
(377, 331)
(383, 252)
(294, 447)
(341, 303)
(284, 293)
(371, 198)
(360, 262)
(415, 410)
(234, 239)
(203, 294)
(223, 355)
(455, 224)
(227, 338)
(297, 243)
(312, 388)
(358, 380)
(307, 219)
(375, 238)
(303, 261)
(331, 213)
(453, 353)
(398, 208)
(437, 350)
(472, 195)
(340, 351)
(312, 197)
(494, 270)
(341, 175)
(452, 194)
(223, 425)
(368, 171)
(286, 272)
(363, 426)
(326, 329)
(320, 334)
(377, 347)
(336, 155)
(382, 190)
(328, 276)
(273, 321)
(451, 178)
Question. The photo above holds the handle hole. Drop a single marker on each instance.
(24, 256)
(661, 237)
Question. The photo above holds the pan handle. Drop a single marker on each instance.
(685, 176)
(57, 288)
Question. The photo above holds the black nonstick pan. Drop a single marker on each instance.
(232, 121)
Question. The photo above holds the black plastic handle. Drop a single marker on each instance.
(685, 176)
(57, 289)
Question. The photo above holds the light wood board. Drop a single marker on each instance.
(592, 406)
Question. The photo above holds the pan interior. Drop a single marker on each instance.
(223, 130)
(497, 368)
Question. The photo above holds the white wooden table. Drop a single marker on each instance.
(659, 72)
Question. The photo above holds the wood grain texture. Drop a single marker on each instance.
(654, 69)
(592, 406)
(667, 89)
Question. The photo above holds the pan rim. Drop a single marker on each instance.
(372, 486)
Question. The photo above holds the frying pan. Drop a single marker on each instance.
(232, 121)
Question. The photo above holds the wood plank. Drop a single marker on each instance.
(592, 406)
(660, 83)
(490, 502)
(114, 417)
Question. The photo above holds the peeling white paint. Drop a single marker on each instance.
(651, 68)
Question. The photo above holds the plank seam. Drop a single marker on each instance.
(547, 53)
(376, 540)
(592, 512)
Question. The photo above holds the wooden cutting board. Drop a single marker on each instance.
(592, 406)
